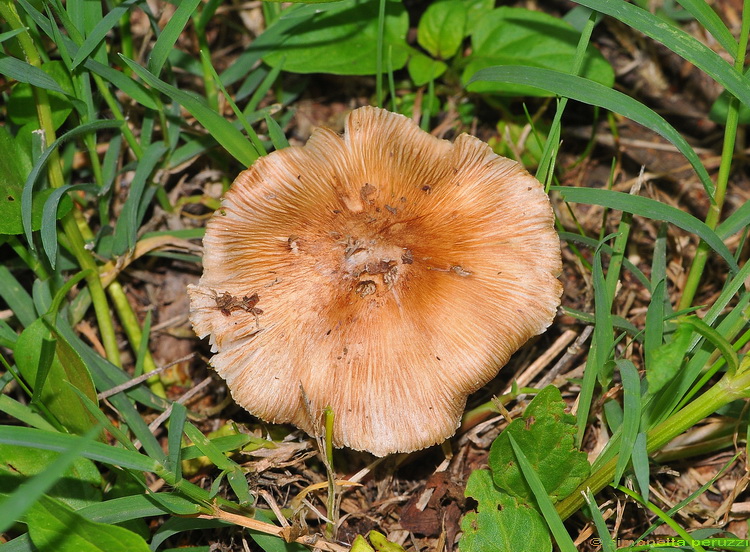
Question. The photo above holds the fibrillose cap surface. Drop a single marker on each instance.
(386, 272)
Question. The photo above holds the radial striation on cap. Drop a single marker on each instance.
(385, 272)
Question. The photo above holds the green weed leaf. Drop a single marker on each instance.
(66, 366)
(54, 526)
(79, 483)
(545, 433)
(423, 69)
(341, 39)
(516, 36)
(476, 11)
(501, 523)
(17, 460)
(441, 28)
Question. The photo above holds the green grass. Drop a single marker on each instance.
(104, 126)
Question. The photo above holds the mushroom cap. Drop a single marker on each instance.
(385, 272)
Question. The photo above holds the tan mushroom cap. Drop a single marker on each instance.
(388, 273)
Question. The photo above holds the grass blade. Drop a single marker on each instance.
(222, 130)
(48, 230)
(652, 209)
(641, 468)
(13, 507)
(735, 222)
(100, 31)
(608, 545)
(278, 139)
(60, 442)
(593, 93)
(23, 413)
(654, 331)
(252, 135)
(167, 38)
(712, 22)
(631, 386)
(554, 522)
(603, 328)
(23, 72)
(680, 42)
(128, 223)
(16, 297)
(40, 163)
(176, 427)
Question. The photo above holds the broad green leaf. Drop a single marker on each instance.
(545, 432)
(360, 544)
(476, 11)
(441, 28)
(652, 209)
(341, 38)
(29, 491)
(501, 523)
(54, 526)
(516, 36)
(66, 367)
(666, 360)
(22, 104)
(79, 483)
(382, 544)
(423, 69)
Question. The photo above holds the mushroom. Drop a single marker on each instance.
(384, 273)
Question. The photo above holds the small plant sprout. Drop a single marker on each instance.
(385, 272)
